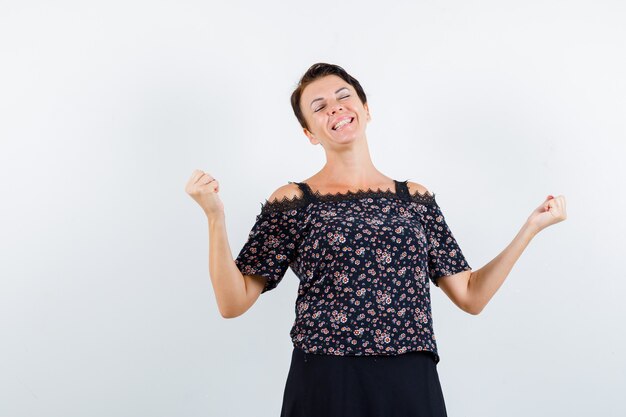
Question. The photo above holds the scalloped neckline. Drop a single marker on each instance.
(368, 192)
(296, 200)
(324, 196)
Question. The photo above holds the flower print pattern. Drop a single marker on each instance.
(271, 245)
(364, 261)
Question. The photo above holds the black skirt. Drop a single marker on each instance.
(405, 385)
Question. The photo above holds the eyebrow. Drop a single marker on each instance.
(321, 98)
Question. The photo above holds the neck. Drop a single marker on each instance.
(350, 167)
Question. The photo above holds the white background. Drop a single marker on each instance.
(106, 108)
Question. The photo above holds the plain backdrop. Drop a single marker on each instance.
(106, 108)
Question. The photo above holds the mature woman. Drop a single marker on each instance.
(364, 247)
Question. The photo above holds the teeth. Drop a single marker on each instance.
(341, 123)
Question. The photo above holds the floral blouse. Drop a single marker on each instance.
(364, 260)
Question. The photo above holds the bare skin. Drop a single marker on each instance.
(349, 167)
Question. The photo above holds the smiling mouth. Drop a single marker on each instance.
(343, 123)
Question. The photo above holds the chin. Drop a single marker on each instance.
(345, 139)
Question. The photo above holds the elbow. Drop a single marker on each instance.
(231, 308)
(473, 310)
(227, 315)
(230, 312)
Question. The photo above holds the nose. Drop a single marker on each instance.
(335, 108)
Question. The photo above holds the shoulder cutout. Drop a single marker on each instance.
(287, 191)
(416, 189)
(288, 196)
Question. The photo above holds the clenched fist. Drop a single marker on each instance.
(203, 188)
(551, 211)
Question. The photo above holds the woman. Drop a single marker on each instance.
(364, 247)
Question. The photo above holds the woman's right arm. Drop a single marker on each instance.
(235, 293)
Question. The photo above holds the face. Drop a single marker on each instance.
(327, 104)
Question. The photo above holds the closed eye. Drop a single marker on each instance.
(340, 98)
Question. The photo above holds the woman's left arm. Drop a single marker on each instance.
(484, 282)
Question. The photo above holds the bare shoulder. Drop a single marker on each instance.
(415, 187)
(287, 191)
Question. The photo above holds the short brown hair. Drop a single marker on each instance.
(314, 72)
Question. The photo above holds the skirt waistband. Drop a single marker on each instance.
(306, 356)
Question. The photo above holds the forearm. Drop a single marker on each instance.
(228, 282)
(484, 282)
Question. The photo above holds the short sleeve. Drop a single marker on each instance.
(444, 254)
(271, 246)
